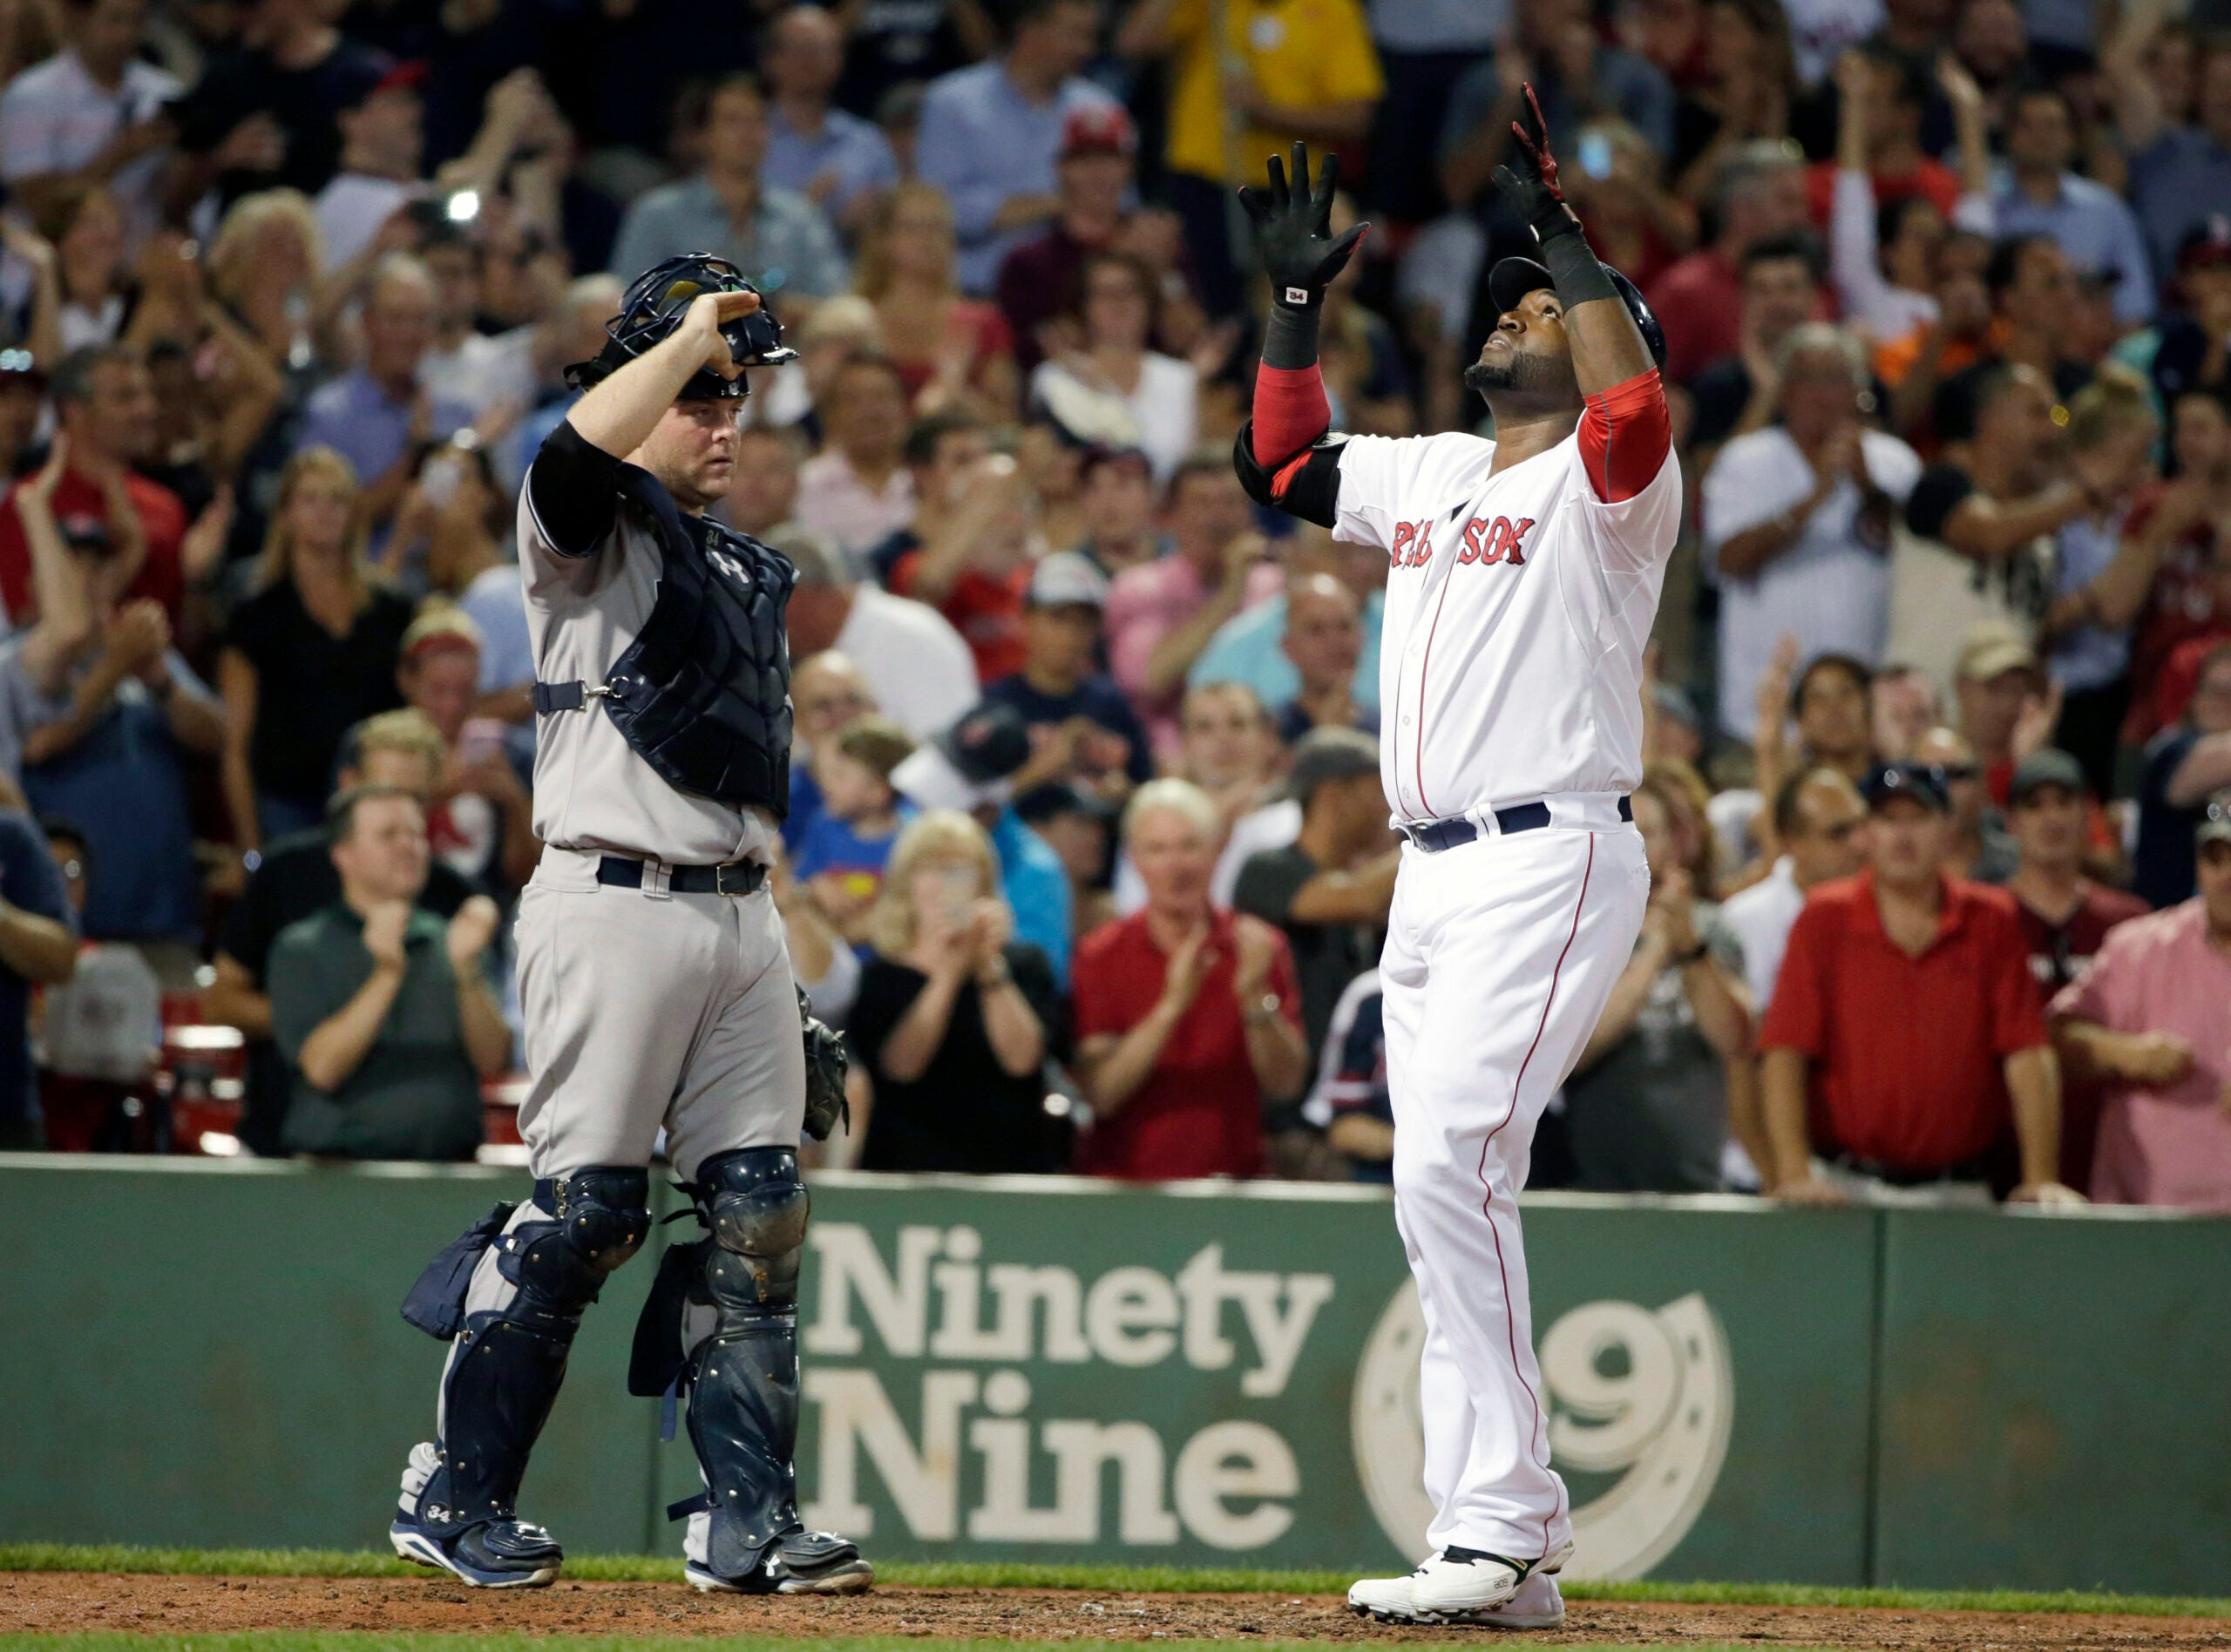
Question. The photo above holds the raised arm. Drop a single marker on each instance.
(1293, 238)
(65, 625)
(1607, 347)
(620, 412)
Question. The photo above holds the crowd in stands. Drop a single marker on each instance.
(1086, 849)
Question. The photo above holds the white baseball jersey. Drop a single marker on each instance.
(1517, 606)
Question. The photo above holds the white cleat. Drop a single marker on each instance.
(1390, 1599)
(1467, 1586)
(1538, 1605)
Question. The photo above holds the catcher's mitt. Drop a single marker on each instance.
(825, 1062)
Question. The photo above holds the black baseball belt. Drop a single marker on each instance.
(1434, 835)
(734, 877)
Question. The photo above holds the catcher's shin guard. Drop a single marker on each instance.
(745, 1532)
(509, 1356)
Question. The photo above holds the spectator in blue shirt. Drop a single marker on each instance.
(1082, 730)
(1613, 80)
(1250, 647)
(837, 161)
(972, 767)
(2178, 174)
(781, 241)
(2036, 194)
(843, 851)
(112, 755)
(989, 132)
(36, 944)
(378, 416)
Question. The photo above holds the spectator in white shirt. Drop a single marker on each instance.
(1818, 813)
(1797, 521)
(1230, 750)
(492, 374)
(918, 668)
(87, 229)
(383, 138)
(1882, 254)
(90, 116)
(1151, 394)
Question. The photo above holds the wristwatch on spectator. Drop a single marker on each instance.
(1269, 1007)
(999, 975)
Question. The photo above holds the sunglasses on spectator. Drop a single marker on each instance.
(1958, 771)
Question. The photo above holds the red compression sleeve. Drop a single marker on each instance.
(1291, 411)
(1624, 435)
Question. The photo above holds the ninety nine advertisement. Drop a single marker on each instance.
(1063, 1370)
(1052, 1370)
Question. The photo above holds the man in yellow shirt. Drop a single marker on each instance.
(1276, 70)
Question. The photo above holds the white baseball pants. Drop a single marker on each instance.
(645, 1010)
(1500, 955)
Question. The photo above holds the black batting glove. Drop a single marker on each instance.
(1293, 231)
(1530, 177)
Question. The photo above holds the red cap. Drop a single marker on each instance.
(1098, 129)
(407, 76)
(2207, 243)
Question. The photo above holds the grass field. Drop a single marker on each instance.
(62, 1599)
(642, 1568)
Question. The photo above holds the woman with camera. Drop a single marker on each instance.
(954, 1021)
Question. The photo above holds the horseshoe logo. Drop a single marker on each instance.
(1648, 1391)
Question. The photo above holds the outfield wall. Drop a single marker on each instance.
(201, 1354)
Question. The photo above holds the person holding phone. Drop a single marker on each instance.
(955, 1020)
(481, 816)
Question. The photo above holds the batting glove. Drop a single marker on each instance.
(1293, 231)
(1530, 177)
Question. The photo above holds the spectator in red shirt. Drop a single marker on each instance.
(1093, 173)
(2184, 601)
(107, 402)
(1896, 164)
(1998, 683)
(1905, 1027)
(1699, 299)
(2172, 694)
(2064, 915)
(973, 561)
(1188, 1015)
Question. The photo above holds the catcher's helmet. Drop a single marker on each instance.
(1512, 278)
(654, 306)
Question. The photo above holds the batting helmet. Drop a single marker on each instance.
(1512, 278)
(654, 306)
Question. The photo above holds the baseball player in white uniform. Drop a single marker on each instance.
(1523, 576)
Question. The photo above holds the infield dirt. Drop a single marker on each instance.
(75, 1601)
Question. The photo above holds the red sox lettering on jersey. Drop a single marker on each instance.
(1484, 541)
(1517, 606)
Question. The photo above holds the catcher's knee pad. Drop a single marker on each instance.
(743, 1378)
(601, 1219)
(756, 1207)
(509, 1360)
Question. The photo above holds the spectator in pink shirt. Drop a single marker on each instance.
(859, 489)
(2150, 1020)
(1162, 615)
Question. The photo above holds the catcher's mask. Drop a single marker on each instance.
(654, 306)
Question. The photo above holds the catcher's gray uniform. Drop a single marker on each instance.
(643, 1007)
